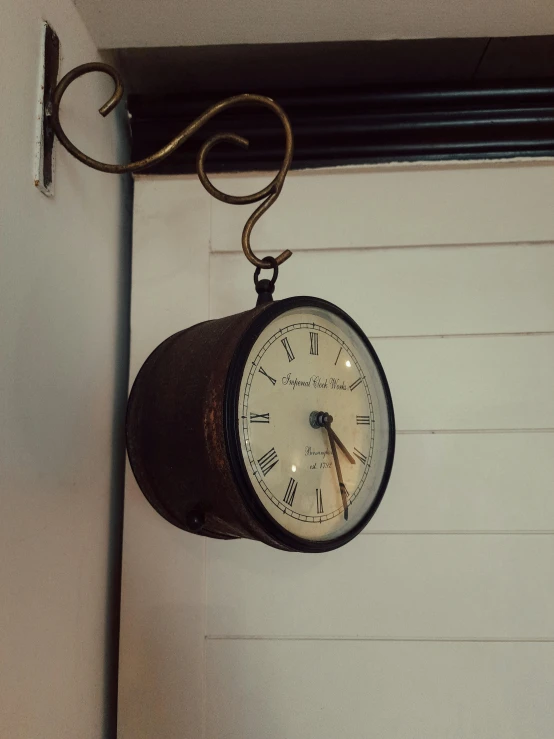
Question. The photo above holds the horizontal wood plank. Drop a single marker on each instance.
(393, 206)
(386, 586)
(407, 292)
(470, 383)
(324, 690)
(469, 482)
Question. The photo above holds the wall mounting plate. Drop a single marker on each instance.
(48, 79)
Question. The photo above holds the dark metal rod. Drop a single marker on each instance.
(349, 128)
(442, 97)
(327, 153)
(339, 118)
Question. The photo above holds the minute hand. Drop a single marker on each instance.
(342, 486)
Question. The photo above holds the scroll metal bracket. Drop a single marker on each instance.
(268, 194)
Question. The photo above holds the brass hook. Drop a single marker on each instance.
(268, 194)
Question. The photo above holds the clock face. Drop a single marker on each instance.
(315, 423)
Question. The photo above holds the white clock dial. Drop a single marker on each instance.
(309, 361)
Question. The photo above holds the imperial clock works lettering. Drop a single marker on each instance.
(316, 382)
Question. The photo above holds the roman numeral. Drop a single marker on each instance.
(264, 373)
(355, 384)
(314, 342)
(268, 461)
(319, 500)
(259, 417)
(285, 343)
(361, 457)
(362, 420)
(291, 492)
(338, 355)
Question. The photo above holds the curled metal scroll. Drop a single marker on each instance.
(268, 194)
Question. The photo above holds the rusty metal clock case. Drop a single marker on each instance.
(176, 431)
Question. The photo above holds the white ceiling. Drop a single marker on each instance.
(142, 23)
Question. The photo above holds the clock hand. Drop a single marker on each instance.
(319, 419)
(342, 487)
(334, 441)
(341, 446)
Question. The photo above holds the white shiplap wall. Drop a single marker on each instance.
(438, 621)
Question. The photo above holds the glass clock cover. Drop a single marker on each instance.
(311, 382)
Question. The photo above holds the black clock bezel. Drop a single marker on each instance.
(232, 432)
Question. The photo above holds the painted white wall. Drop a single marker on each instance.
(63, 337)
(438, 620)
(136, 23)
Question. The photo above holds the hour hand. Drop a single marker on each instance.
(341, 446)
(320, 419)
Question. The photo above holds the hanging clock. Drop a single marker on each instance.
(275, 424)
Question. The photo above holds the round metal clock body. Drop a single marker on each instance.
(275, 424)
